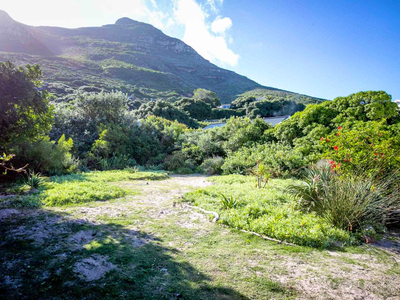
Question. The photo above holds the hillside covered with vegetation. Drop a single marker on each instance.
(127, 56)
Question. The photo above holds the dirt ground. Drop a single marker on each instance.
(154, 216)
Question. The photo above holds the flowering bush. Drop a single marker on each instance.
(370, 147)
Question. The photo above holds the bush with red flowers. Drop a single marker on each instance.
(370, 147)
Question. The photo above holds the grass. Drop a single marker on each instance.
(82, 188)
(270, 211)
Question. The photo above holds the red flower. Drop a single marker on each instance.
(381, 154)
(336, 148)
(322, 138)
(327, 139)
(375, 153)
(339, 128)
(338, 133)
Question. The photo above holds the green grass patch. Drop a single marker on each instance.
(270, 211)
(110, 176)
(82, 188)
(79, 192)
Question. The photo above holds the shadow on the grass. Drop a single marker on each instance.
(39, 251)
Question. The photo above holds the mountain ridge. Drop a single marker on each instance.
(129, 55)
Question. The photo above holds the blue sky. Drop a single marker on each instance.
(320, 48)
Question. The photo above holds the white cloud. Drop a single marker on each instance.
(214, 4)
(199, 36)
(221, 25)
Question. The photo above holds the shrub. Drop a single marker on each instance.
(368, 147)
(174, 161)
(348, 202)
(229, 202)
(279, 159)
(212, 166)
(47, 156)
(33, 180)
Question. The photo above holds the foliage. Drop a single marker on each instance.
(269, 211)
(174, 161)
(167, 111)
(6, 165)
(242, 102)
(229, 202)
(278, 107)
(197, 109)
(279, 159)
(47, 156)
(25, 113)
(244, 132)
(33, 180)
(347, 202)
(262, 175)
(223, 113)
(369, 147)
(212, 166)
(88, 115)
(207, 97)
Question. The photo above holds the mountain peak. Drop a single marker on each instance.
(126, 22)
(5, 17)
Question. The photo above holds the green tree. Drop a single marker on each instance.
(25, 113)
(197, 109)
(167, 111)
(206, 96)
(242, 102)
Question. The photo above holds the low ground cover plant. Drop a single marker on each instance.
(270, 211)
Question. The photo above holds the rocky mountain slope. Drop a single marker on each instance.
(130, 56)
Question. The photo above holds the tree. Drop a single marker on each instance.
(25, 113)
(197, 109)
(167, 111)
(242, 102)
(206, 96)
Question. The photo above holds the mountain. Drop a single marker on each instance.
(130, 56)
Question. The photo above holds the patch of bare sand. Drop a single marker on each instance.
(93, 268)
(332, 278)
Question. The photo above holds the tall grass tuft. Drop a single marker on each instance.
(33, 180)
(348, 202)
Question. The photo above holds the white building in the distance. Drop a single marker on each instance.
(398, 102)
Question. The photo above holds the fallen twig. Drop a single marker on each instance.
(216, 216)
(268, 238)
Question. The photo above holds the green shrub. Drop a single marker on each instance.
(364, 147)
(47, 156)
(279, 159)
(174, 161)
(348, 202)
(212, 166)
(33, 180)
(229, 202)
